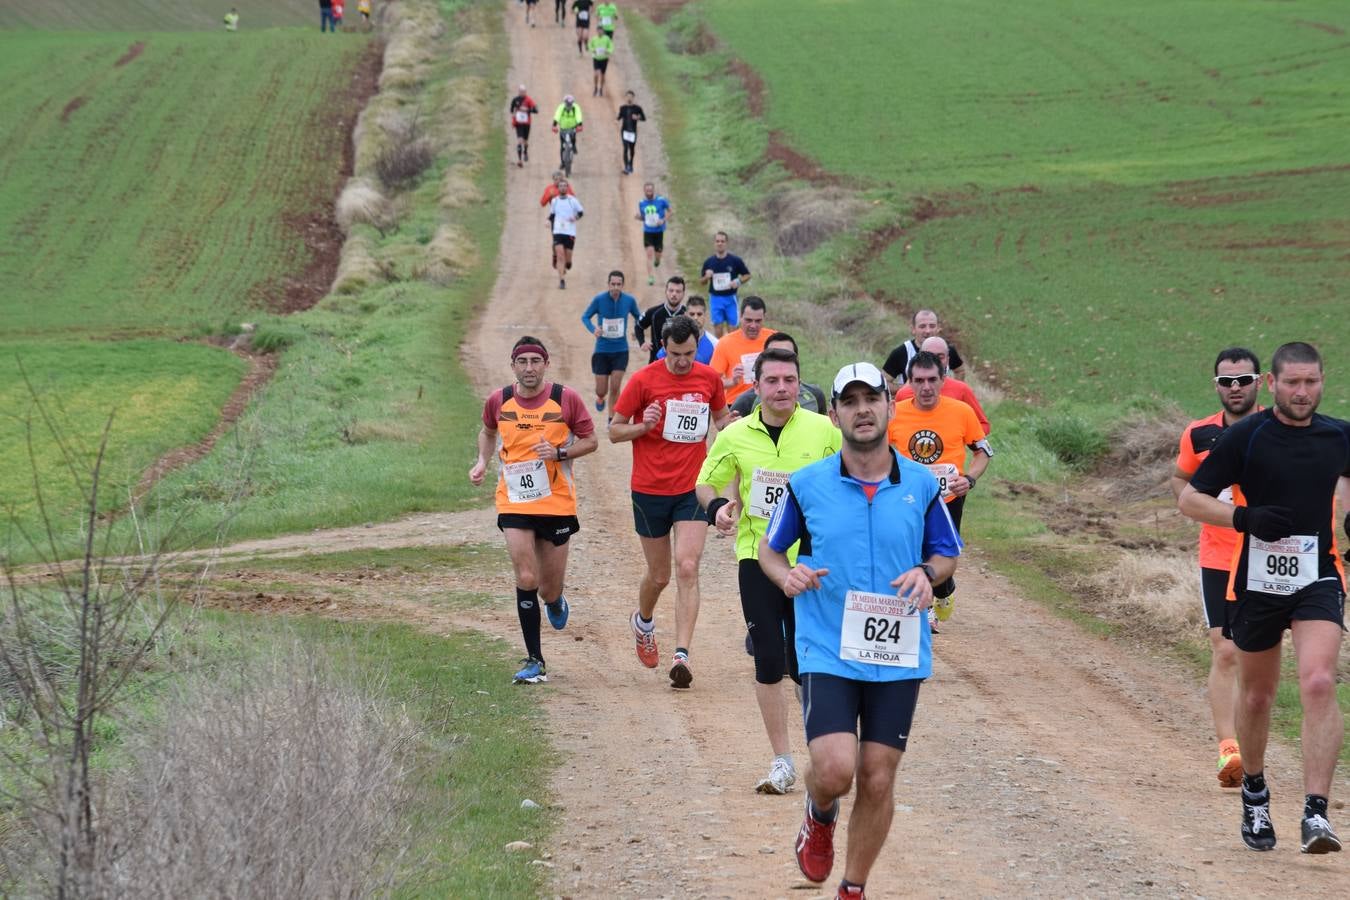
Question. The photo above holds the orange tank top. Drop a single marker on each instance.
(526, 484)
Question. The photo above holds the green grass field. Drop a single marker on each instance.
(1110, 193)
(155, 15)
(151, 196)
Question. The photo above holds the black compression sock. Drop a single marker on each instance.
(680, 651)
(527, 609)
(1255, 785)
(824, 817)
(1314, 805)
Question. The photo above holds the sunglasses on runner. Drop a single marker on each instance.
(1227, 381)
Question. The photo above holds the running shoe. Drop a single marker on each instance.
(1318, 836)
(852, 892)
(749, 644)
(815, 847)
(532, 672)
(1230, 766)
(562, 284)
(681, 676)
(557, 613)
(599, 406)
(651, 279)
(782, 776)
(1258, 832)
(646, 644)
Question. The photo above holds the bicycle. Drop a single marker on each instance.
(568, 152)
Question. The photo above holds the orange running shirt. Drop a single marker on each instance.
(734, 349)
(957, 390)
(1218, 545)
(538, 487)
(936, 438)
(663, 462)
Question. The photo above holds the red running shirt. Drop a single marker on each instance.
(661, 465)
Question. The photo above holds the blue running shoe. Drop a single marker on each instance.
(599, 406)
(532, 672)
(557, 613)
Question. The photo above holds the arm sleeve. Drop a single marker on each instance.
(741, 268)
(821, 404)
(744, 404)
(939, 533)
(491, 408)
(974, 428)
(642, 115)
(1187, 461)
(719, 398)
(629, 403)
(591, 310)
(894, 365)
(575, 414)
(974, 404)
(643, 323)
(719, 360)
(787, 525)
(954, 360)
(1223, 466)
(719, 466)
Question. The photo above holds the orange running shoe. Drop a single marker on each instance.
(1230, 765)
(646, 644)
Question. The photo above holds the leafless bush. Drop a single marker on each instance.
(405, 158)
(362, 203)
(279, 779)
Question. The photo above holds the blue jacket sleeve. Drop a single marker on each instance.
(591, 311)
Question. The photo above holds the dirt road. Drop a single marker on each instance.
(1043, 762)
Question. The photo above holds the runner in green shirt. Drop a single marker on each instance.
(761, 451)
(606, 15)
(602, 48)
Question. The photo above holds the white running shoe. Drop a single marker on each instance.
(782, 776)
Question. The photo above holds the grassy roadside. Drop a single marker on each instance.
(723, 174)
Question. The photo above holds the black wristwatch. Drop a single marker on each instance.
(562, 454)
(970, 480)
(927, 570)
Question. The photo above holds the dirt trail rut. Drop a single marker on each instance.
(1043, 761)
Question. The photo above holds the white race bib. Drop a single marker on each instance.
(686, 421)
(652, 219)
(748, 367)
(522, 117)
(1226, 496)
(1283, 566)
(944, 473)
(606, 21)
(721, 281)
(526, 481)
(766, 490)
(629, 137)
(880, 629)
(583, 15)
(611, 328)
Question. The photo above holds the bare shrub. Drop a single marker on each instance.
(804, 219)
(400, 165)
(278, 779)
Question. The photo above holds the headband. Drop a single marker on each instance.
(529, 348)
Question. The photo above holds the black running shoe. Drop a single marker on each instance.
(1258, 832)
(1318, 836)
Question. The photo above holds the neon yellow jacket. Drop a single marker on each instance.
(564, 119)
(744, 448)
(601, 46)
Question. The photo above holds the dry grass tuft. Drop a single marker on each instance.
(357, 269)
(450, 254)
(464, 113)
(459, 188)
(806, 218)
(1162, 588)
(1143, 452)
(362, 203)
(472, 47)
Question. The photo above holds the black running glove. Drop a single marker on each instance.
(1269, 523)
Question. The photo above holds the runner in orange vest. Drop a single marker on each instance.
(536, 428)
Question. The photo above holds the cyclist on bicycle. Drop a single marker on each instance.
(567, 120)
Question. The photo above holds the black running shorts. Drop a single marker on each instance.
(1214, 591)
(654, 239)
(877, 711)
(565, 240)
(554, 529)
(1257, 621)
(605, 363)
(600, 65)
(773, 626)
(655, 514)
(523, 130)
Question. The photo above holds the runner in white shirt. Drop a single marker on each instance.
(564, 210)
